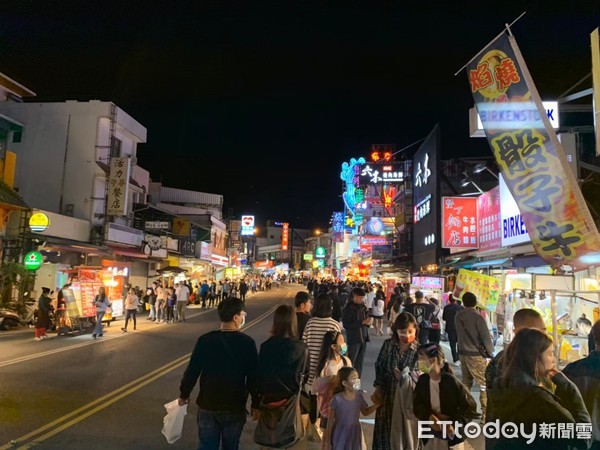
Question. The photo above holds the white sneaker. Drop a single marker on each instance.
(38, 339)
(45, 336)
(456, 364)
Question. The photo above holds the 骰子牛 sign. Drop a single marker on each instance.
(531, 159)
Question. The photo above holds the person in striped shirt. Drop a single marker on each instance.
(315, 330)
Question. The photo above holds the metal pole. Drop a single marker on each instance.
(554, 325)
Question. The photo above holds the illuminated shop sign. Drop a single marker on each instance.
(247, 226)
(386, 173)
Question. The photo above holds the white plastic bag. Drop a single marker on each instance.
(173, 421)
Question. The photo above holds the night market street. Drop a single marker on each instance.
(74, 383)
(75, 392)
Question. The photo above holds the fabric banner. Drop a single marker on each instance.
(531, 158)
(485, 288)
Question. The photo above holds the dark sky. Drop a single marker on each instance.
(262, 101)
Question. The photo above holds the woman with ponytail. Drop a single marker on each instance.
(439, 395)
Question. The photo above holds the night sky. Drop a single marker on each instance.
(262, 101)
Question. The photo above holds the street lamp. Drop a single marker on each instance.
(317, 232)
(468, 180)
(480, 167)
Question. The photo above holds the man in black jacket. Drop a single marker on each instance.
(450, 311)
(226, 362)
(356, 322)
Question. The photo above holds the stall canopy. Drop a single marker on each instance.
(491, 263)
(170, 269)
(528, 261)
(10, 199)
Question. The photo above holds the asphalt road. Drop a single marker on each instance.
(75, 392)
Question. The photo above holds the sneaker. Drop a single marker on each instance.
(456, 363)
(93, 336)
(38, 338)
(124, 330)
(45, 336)
(100, 335)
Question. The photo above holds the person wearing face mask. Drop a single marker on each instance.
(395, 426)
(344, 431)
(225, 361)
(331, 360)
(439, 395)
(525, 396)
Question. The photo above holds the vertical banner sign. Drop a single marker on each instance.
(285, 236)
(338, 226)
(118, 186)
(460, 222)
(488, 208)
(531, 158)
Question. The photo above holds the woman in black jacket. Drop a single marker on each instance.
(533, 392)
(282, 359)
(439, 395)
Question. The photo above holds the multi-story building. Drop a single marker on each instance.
(64, 154)
(269, 246)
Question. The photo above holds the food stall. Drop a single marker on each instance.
(429, 286)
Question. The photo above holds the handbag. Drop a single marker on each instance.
(479, 346)
(280, 424)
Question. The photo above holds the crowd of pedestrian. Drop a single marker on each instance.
(314, 361)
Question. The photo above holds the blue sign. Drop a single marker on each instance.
(350, 176)
(338, 222)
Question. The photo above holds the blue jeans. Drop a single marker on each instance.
(152, 314)
(99, 317)
(215, 427)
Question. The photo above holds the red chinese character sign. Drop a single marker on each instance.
(531, 158)
(285, 236)
(460, 222)
(490, 237)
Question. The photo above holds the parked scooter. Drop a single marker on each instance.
(22, 314)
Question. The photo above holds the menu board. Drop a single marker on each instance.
(72, 306)
(428, 283)
(88, 295)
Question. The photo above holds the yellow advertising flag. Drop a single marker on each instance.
(531, 158)
(485, 288)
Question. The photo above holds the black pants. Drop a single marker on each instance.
(356, 353)
(453, 339)
(243, 297)
(131, 313)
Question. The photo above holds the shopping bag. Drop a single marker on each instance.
(173, 421)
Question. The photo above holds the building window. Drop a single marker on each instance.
(115, 148)
(272, 236)
(17, 136)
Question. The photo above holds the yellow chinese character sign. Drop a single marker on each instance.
(530, 156)
(485, 288)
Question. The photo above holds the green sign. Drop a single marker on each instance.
(320, 252)
(33, 260)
